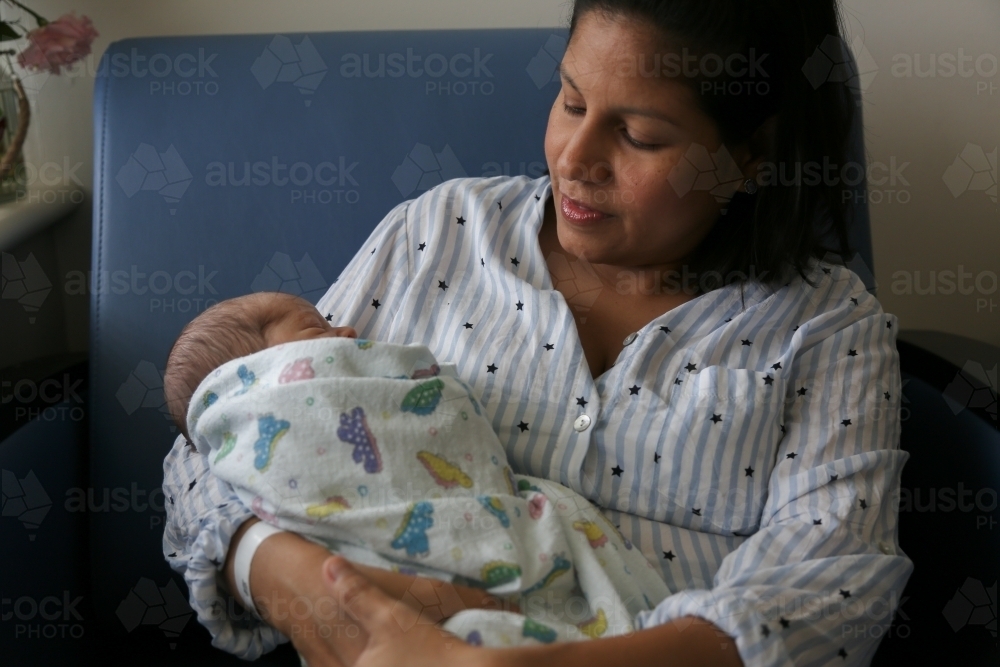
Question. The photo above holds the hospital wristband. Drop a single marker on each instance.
(245, 551)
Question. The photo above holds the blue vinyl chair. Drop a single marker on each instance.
(225, 165)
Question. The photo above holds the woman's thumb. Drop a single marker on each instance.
(377, 613)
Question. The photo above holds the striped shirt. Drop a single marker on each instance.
(746, 441)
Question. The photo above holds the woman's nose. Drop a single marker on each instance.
(583, 157)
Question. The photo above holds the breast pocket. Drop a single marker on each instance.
(720, 433)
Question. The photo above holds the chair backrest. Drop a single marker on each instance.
(225, 165)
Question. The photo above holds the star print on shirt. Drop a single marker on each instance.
(520, 306)
(852, 353)
(842, 653)
(833, 478)
(790, 456)
(656, 457)
(826, 270)
(817, 522)
(191, 485)
(854, 301)
(373, 251)
(491, 369)
(460, 220)
(776, 366)
(500, 206)
(729, 319)
(617, 471)
(677, 380)
(376, 303)
(443, 285)
(329, 317)
(846, 594)
(665, 329)
(549, 346)
(747, 342)
(523, 425)
(716, 418)
(581, 401)
(482, 262)
(634, 390)
(801, 391)
(888, 325)
(845, 422)
(864, 505)
(768, 380)
(886, 394)
(696, 511)
(421, 246)
(766, 631)
(784, 622)
(513, 260)
(690, 368)
(782, 427)
(467, 325)
(538, 198)
(795, 328)
(669, 555)
(748, 471)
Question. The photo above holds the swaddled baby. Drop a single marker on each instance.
(383, 454)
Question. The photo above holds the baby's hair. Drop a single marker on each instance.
(228, 330)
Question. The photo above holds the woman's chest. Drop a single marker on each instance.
(677, 430)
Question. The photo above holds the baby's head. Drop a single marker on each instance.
(235, 328)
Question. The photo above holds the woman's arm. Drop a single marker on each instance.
(397, 637)
(204, 513)
(687, 642)
(821, 578)
(289, 593)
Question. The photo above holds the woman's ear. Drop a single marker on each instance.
(757, 149)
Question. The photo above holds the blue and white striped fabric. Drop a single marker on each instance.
(746, 441)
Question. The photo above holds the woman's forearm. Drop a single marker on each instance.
(286, 565)
(686, 642)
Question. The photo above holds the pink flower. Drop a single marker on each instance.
(58, 44)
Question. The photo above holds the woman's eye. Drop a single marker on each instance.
(573, 111)
(638, 144)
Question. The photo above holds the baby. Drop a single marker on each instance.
(381, 453)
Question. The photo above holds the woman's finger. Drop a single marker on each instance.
(377, 613)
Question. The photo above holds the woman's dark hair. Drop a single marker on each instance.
(774, 233)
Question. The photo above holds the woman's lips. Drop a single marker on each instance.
(578, 213)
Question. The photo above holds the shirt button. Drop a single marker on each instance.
(581, 423)
(884, 548)
(629, 339)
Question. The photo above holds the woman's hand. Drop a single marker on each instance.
(396, 633)
(292, 594)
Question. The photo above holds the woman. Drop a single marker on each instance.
(664, 343)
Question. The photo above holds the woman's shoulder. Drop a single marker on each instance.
(830, 294)
(477, 193)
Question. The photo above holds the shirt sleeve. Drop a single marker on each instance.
(204, 512)
(369, 292)
(820, 580)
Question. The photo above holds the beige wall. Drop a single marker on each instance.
(918, 225)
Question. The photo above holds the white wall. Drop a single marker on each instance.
(925, 122)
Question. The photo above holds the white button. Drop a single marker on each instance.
(629, 339)
(884, 548)
(581, 423)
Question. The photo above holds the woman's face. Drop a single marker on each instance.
(613, 137)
